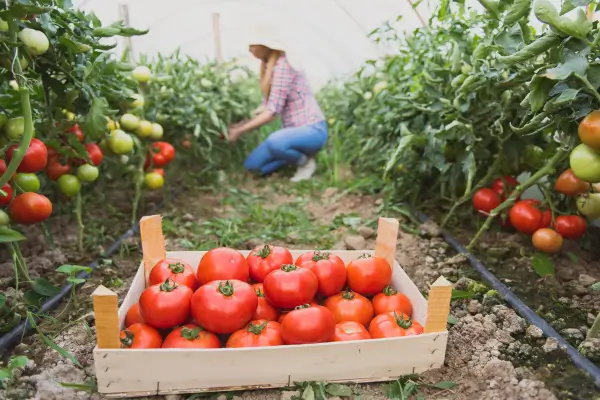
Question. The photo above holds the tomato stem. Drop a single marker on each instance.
(548, 198)
(256, 329)
(365, 255)
(190, 334)
(402, 322)
(319, 255)
(389, 291)
(177, 268)
(264, 252)
(138, 178)
(80, 226)
(19, 262)
(127, 341)
(168, 285)
(300, 307)
(288, 267)
(259, 292)
(226, 289)
(348, 294)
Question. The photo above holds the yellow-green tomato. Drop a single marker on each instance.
(145, 129)
(14, 127)
(585, 163)
(87, 173)
(130, 122)
(138, 100)
(28, 182)
(154, 180)
(3, 25)
(37, 42)
(157, 131)
(141, 73)
(69, 185)
(120, 142)
(4, 218)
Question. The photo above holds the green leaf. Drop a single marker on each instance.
(335, 389)
(461, 294)
(308, 393)
(542, 265)
(578, 27)
(8, 235)
(33, 299)
(71, 269)
(574, 64)
(44, 287)
(18, 362)
(445, 385)
(568, 5)
(595, 287)
(5, 373)
(95, 121)
(540, 89)
(452, 320)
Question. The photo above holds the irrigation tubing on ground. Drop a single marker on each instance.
(580, 361)
(14, 337)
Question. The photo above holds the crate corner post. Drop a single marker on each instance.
(106, 313)
(387, 237)
(153, 242)
(438, 305)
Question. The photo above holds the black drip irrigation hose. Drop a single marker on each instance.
(580, 361)
(14, 337)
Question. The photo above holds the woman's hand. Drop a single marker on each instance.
(234, 133)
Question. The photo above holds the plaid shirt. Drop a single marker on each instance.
(291, 97)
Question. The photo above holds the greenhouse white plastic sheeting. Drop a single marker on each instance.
(331, 36)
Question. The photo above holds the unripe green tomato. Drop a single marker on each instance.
(14, 127)
(87, 173)
(157, 131)
(154, 180)
(28, 182)
(141, 73)
(120, 142)
(130, 122)
(4, 218)
(69, 185)
(37, 42)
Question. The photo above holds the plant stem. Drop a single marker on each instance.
(48, 235)
(593, 332)
(19, 153)
(545, 170)
(138, 181)
(19, 261)
(80, 226)
(589, 86)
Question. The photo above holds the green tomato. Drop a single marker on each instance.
(585, 163)
(28, 182)
(130, 122)
(120, 142)
(141, 73)
(4, 218)
(154, 180)
(138, 101)
(87, 173)
(37, 42)
(14, 127)
(3, 25)
(3, 119)
(589, 205)
(157, 131)
(466, 68)
(145, 129)
(69, 185)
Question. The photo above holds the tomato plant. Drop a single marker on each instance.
(69, 185)
(264, 259)
(222, 264)
(224, 306)
(369, 275)
(391, 300)
(264, 310)
(547, 240)
(350, 306)
(76, 130)
(307, 324)
(585, 163)
(166, 304)
(290, 286)
(177, 270)
(190, 336)
(55, 169)
(133, 315)
(570, 226)
(87, 173)
(258, 333)
(140, 336)
(329, 269)
(392, 324)
(350, 330)
(27, 182)
(30, 208)
(154, 180)
(589, 205)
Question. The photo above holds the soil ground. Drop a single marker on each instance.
(492, 352)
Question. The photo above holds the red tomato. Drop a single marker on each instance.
(159, 171)
(485, 200)
(181, 272)
(30, 208)
(55, 169)
(307, 324)
(350, 306)
(526, 217)
(140, 336)
(133, 315)
(221, 264)
(224, 306)
(286, 312)
(570, 226)
(589, 130)
(258, 333)
(35, 158)
(3, 168)
(264, 309)
(5, 199)
(390, 300)
(329, 269)
(76, 130)
(161, 153)
(95, 153)
(290, 286)
(567, 183)
(369, 275)
(190, 336)
(547, 240)
(393, 325)
(264, 259)
(505, 186)
(165, 305)
(350, 330)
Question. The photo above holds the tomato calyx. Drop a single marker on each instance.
(127, 341)
(256, 329)
(259, 292)
(288, 267)
(402, 322)
(177, 268)
(226, 289)
(264, 252)
(365, 255)
(302, 306)
(349, 330)
(190, 334)
(318, 256)
(348, 294)
(168, 285)
(389, 291)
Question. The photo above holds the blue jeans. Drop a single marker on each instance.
(287, 146)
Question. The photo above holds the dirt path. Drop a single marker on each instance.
(492, 352)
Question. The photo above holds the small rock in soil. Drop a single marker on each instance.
(590, 348)
(586, 280)
(572, 334)
(429, 260)
(355, 242)
(550, 345)
(253, 243)
(474, 307)
(566, 274)
(366, 232)
(430, 229)
(534, 332)
(341, 245)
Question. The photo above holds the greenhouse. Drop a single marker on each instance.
(264, 200)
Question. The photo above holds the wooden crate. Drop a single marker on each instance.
(141, 372)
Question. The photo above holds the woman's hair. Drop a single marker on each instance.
(266, 71)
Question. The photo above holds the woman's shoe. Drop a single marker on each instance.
(305, 171)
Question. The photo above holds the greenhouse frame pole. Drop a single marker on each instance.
(417, 12)
(124, 15)
(216, 18)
